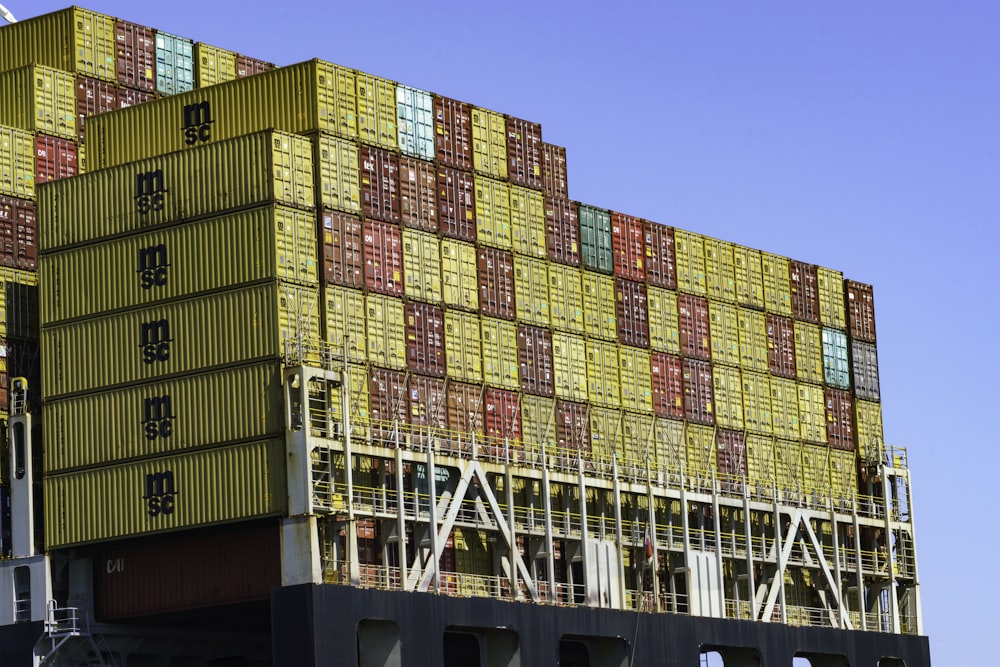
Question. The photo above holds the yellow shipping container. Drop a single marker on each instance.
(421, 266)
(808, 352)
(460, 277)
(203, 410)
(777, 285)
(39, 99)
(18, 303)
(788, 466)
(531, 291)
(753, 340)
(73, 40)
(671, 448)
(538, 426)
(606, 436)
(816, 469)
(462, 346)
(830, 286)
(246, 324)
(757, 403)
(843, 475)
(785, 408)
(190, 490)
(640, 446)
(749, 277)
(602, 374)
(699, 450)
(267, 167)
(213, 65)
(345, 322)
(868, 422)
(812, 413)
(690, 250)
(500, 360)
(728, 386)
(760, 462)
(527, 221)
(636, 379)
(569, 360)
(272, 242)
(308, 97)
(599, 306)
(663, 325)
(493, 212)
(17, 163)
(376, 110)
(386, 325)
(724, 326)
(489, 142)
(720, 274)
(338, 173)
(357, 387)
(566, 298)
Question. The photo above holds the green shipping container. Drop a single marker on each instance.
(595, 239)
(73, 40)
(39, 99)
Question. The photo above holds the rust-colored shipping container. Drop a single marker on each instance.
(839, 419)
(554, 181)
(781, 346)
(524, 153)
(135, 50)
(860, 311)
(453, 133)
(18, 233)
(572, 425)
(383, 257)
(731, 458)
(387, 401)
(633, 315)
(805, 291)
(379, 171)
(343, 256)
(698, 392)
(456, 204)
(427, 403)
(496, 283)
(503, 421)
(465, 408)
(93, 96)
(864, 368)
(562, 231)
(55, 158)
(425, 339)
(247, 66)
(534, 352)
(418, 206)
(129, 97)
(628, 247)
(661, 263)
(694, 328)
(187, 571)
(668, 385)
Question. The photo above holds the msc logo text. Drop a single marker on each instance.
(152, 267)
(160, 495)
(157, 417)
(154, 341)
(197, 123)
(149, 191)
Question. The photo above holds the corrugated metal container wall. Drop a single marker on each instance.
(753, 340)
(387, 394)
(812, 413)
(725, 333)
(453, 132)
(606, 436)
(357, 387)
(595, 239)
(538, 424)
(93, 96)
(627, 242)
(418, 206)
(864, 363)
(757, 403)
(554, 181)
(456, 205)
(345, 322)
(572, 426)
(637, 435)
(503, 423)
(465, 408)
(493, 213)
(338, 173)
(130, 98)
(777, 288)
(569, 357)
(386, 331)
(636, 381)
(785, 408)
(566, 298)
(860, 311)
(760, 462)
(749, 275)
(376, 100)
(187, 572)
(18, 303)
(668, 436)
(272, 242)
(816, 469)
(527, 221)
(379, 170)
(428, 402)
(422, 266)
(343, 255)
(383, 257)
(489, 142)
(633, 315)
(18, 233)
(690, 251)
(460, 277)
(830, 285)
(667, 385)
(699, 449)
(562, 231)
(174, 64)
(425, 348)
(531, 291)
(693, 327)
(843, 475)
(73, 40)
(868, 421)
(17, 163)
(663, 325)
(731, 458)
(534, 350)
(661, 264)
(788, 467)
(805, 291)
(728, 394)
(698, 390)
(524, 152)
(839, 419)
(463, 346)
(496, 283)
(602, 374)
(781, 346)
(213, 65)
(257, 169)
(808, 352)
(135, 51)
(203, 410)
(55, 158)
(247, 66)
(210, 487)
(415, 118)
(720, 278)
(599, 309)
(836, 369)
(500, 353)
(39, 99)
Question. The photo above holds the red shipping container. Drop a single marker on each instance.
(465, 409)
(456, 204)
(554, 182)
(805, 291)
(18, 233)
(731, 458)
(247, 66)
(343, 257)
(503, 422)
(425, 339)
(781, 346)
(699, 403)
(453, 132)
(388, 403)
(418, 206)
(55, 158)
(18, 358)
(534, 354)
(572, 425)
(524, 153)
(668, 385)
(692, 322)
(633, 315)
(496, 283)
(185, 572)
(136, 55)
(93, 96)
(661, 262)
(379, 183)
(427, 405)
(627, 244)
(839, 419)
(861, 311)
(383, 258)
(562, 231)
(129, 97)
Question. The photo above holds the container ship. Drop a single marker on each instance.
(304, 366)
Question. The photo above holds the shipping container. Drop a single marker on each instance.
(272, 242)
(496, 283)
(379, 171)
(569, 357)
(55, 158)
(503, 423)
(636, 380)
(345, 323)
(358, 394)
(466, 408)
(489, 142)
(843, 475)
(527, 221)
(534, 351)
(562, 231)
(836, 370)
(788, 474)
(376, 99)
(418, 207)
(599, 306)
(661, 264)
(830, 286)
(868, 421)
(607, 441)
(670, 448)
(17, 163)
(781, 346)
(572, 426)
(203, 488)
(720, 272)
(18, 233)
(803, 282)
(699, 450)
(459, 275)
(174, 64)
(757, 403)
(425, 347)
(725, 333)
(493, 223)
(428, 403)
(501, 354)
(753, 340)
(566, 298)
(456, 204)
(785, 408)
(663, 325)
(135, 52)
(749, 274)
(128, 97)
(777, 288)
(247, 66)
(638, 436)
(39, 99)
(531, 291)
(343, 255)
(388, 401)
(463, 346)
(72, 40)
(415, 119)
(628, 246)
(383, 257)
(203, 410)
(524, 152)
(699, 403)
(338, 173)
(864, 365)
(386, 324)
(603, 374)
(728, 394)
(693, 327)
(839, 419)
(808, 352)
(212, 65)
(690, 250)
(93, 96)
(760, 462)
(18, 303)
(422, 266)
(453, 133)
(812, 413)
(731, 458)
(860, 311)
(816, 470)
(632, 313)
(554, 181)
(666, 379)
(596, 251)
(538, 426)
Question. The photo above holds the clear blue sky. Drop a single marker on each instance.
(862, 136)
